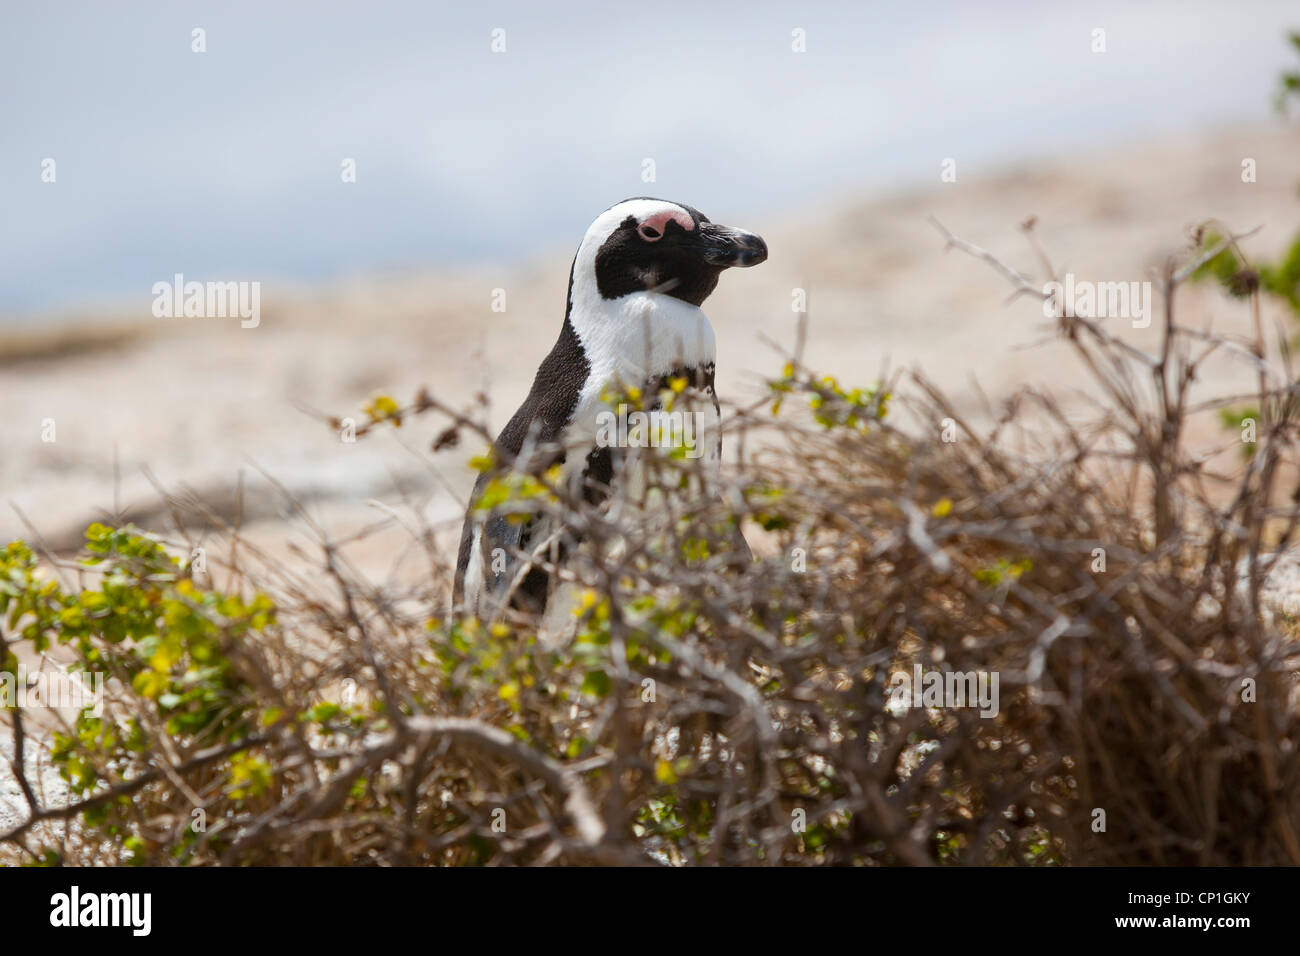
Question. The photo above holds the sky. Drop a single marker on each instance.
(226, 164)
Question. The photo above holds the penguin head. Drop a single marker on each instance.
(652, 245)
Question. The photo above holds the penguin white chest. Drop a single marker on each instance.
(636, 341)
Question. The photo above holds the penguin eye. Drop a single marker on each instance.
(649, 233)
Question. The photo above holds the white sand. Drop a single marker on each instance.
(197, 399)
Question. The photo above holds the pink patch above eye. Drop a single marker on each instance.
(652, 227)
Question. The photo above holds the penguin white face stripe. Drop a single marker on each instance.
(654, 214)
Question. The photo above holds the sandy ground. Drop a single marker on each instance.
(197, 400)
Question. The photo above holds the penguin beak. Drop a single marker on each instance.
(725, 247)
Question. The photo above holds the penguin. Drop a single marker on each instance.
(632, 318)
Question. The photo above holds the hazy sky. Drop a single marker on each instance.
(226, 164)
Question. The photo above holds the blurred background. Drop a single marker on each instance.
(823, 127)
(227, 163)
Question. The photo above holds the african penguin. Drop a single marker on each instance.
(633, 317)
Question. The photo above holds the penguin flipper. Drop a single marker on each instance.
(541, 419)
(487, 562)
